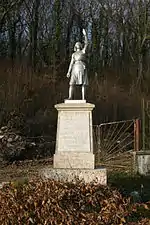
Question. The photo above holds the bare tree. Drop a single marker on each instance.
(45, 31)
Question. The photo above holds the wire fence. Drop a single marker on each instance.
(114, 141)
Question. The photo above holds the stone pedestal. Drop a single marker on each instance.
(143, 162)
(96, 176)
(74, 159)
(74, 141)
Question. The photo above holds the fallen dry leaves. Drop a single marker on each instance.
(51, 202)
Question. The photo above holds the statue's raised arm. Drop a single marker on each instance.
(85, 41)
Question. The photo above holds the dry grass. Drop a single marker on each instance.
(123, 162)
(27, 169)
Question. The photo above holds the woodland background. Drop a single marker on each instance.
(36, 42)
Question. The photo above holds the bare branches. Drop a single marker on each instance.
(118, 31)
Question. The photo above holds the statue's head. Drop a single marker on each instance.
(78, 45)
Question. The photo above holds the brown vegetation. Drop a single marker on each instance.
(51, 202)
(28, 99)
(32, 97)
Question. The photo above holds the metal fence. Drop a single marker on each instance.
(115, 139)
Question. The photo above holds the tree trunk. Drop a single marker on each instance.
(34, 33)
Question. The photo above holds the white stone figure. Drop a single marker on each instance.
(77, 71)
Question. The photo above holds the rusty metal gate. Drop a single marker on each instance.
(115, 141)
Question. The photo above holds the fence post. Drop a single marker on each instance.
(143, 124)
(136, 135)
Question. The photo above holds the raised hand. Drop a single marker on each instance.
(84, 32)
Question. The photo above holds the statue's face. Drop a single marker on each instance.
(78, 45)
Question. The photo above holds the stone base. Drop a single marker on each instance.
(74, 160)
(143, 162)
(74, 101)
(96, 176)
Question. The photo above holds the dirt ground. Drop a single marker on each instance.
(30, 168)
(22, 169)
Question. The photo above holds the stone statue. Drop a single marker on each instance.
(77, 69)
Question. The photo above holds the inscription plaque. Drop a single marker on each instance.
(74, 131)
